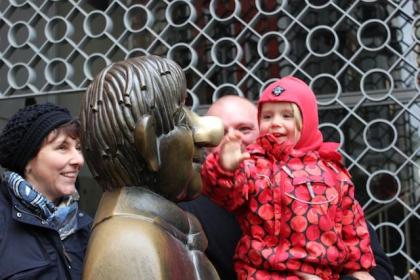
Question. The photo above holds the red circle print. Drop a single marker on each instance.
(328, 238)
(325, 223)
(332, 211)
(282, 256)
(300, 174)
(298, 239)
(253, 204)
(366, 260)
(288, 187)
(298, 252)
(346, 202)
(287, 214)
(355, 253)
(295, 163)
(266, 253)
(271, 240)
(331, 193)
(293, 265)
(285, 231)
(287, 199)
(241, 249)
(302, 193)
(313, 216)
(266, 212)
(265, 196)
(349, 231)
(255, 257)
(308, 268)
(313, 170)
(299, 223)
(315, 249)
(348, 217)
(299, 208)
(257, 231)
(365, 245)
(332, 254)
(253, 219)
(319, 190)
(313, 232)
(361, 231)
(261, 275)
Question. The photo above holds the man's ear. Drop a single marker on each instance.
(146, 142)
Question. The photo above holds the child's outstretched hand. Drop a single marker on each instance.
(231, 154)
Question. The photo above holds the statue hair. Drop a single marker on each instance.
(119, 96)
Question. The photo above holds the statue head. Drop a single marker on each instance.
(136, 130)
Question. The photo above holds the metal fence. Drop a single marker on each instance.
(360, 57)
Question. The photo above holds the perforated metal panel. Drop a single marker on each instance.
(360, 57)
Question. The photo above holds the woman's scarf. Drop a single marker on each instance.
(62, 218)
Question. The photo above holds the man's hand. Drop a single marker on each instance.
(306, 276)
(362, 275)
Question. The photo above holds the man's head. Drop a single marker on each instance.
(136, 130)
(238, 113)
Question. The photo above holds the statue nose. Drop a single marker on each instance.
(207, 131)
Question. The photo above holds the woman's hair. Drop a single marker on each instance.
(72, 129)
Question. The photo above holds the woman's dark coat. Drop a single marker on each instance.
(30, 249)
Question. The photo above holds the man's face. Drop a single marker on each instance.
(181, 151)
(240, 115)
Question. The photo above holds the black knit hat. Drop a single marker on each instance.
(23, 134)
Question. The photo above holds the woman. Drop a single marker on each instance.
(43, 235)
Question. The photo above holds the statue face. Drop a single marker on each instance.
(181, 154)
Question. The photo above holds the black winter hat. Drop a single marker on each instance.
(23, 134)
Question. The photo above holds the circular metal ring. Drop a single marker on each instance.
(173, 5)
(137, 11)
(16, 70)
(29, 34)
(88, 22)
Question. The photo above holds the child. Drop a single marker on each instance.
(292, 196)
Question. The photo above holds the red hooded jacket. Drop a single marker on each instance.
(295, 205)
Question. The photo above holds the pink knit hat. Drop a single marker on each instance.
(294, 90)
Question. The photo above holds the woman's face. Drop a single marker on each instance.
(54, 170)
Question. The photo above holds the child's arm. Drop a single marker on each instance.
(223, 181)
(355, 232)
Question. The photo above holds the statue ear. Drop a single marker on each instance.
(146, 142)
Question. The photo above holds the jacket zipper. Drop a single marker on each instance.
(63, 253)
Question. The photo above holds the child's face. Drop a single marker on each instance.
(278, 119)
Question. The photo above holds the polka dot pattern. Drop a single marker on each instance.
(297, 213)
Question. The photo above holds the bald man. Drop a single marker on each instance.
(238, 113)
(221, 227)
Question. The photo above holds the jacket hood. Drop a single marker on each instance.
(294, 90)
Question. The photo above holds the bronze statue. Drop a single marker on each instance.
(140, 141)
